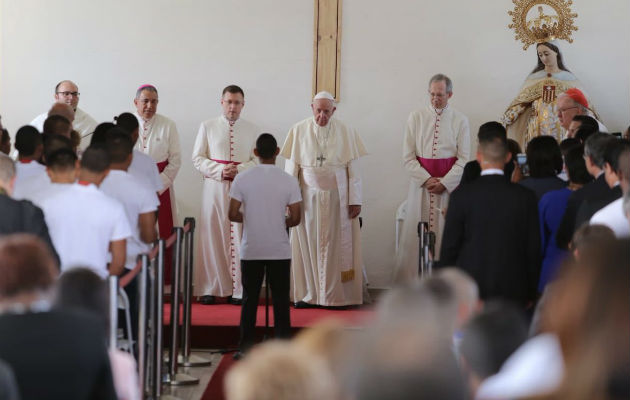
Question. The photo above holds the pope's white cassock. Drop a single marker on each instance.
(326, 264)
(83, 123)
(220, 142)
(436, 144)
(159, 139)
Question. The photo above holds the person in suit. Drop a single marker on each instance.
(595, 191)
(472, 170)
(545, 163)
(54, 354)
(19, 216)
(491, 228)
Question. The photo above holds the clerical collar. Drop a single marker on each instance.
(439, 111)
(492, 171)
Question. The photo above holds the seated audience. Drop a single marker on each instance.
(82, 290)
(54, 354)
(85, 224)
(544, 160)
(617, 173)
(491, 229)
(552, 206)
(20, 216)
(488, 339)
(58, 125)
(593, 191)
(279, 371)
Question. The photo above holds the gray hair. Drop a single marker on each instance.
(582, 110)
(595, 146)
(148, 88)
(626, 204)
(7, 169)
(445, 79)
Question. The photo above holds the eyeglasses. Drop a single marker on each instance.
(68, 94)
(561, 111)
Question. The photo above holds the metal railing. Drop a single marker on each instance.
(426, 251)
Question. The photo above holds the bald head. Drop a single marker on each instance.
(7, 172)
(67, 92)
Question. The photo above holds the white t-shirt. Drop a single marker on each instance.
(145, 169)
(29, 178)
(46, 191)
(613, 217)
(137, 198)
(265, 191)
(82, 221)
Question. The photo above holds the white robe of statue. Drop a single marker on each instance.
(429, 135)
(326, 265)
(218, 269)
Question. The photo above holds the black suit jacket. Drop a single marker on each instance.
(21, 216)
(472, 171)
(491, 232)
(57, 355)
(595, 191)
(540, 186)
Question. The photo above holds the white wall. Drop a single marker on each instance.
(191, 49)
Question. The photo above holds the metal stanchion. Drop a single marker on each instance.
(158, 315)
(142, 323)
(422, 229)
(174, 378)
(185, 358)
(113, 312)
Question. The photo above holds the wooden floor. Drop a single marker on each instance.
(194, 392)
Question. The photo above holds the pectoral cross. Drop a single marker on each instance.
(321, 159)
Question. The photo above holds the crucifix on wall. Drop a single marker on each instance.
(327, 47)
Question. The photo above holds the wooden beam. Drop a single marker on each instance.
(327, 47)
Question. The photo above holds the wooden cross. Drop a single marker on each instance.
(327, 47)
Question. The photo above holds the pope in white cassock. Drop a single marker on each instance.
(68, 92)
(159, 139)
(224, 147)
(323, 153)
(436, 147)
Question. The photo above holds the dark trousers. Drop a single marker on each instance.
(252, 273)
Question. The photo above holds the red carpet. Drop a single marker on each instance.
(217, 326)
(215, 390)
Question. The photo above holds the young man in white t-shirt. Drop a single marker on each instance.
(265, 193)
(85, 224)
(30, 175)
(140, 203)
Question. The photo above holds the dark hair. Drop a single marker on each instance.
(53, 143)
(233, 89)
(543, 157)
(56, 125)
(488, 127)
(491, 336)
(540, 66)
(595, 146)
(82, 289)
(613, 149)
(576, 167)
(266, 146)
(100, 133)
(514, 148)
(95, 159)
(62, 160)
(119, 145)
(5, 136)
(127, 121)
(567, 144)
(27, 139)
(493, 141)
(588, 126)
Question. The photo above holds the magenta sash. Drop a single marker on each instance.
(226, 162)
(437, 167)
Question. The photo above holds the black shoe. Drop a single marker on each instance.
(238, 355)
(303, 304)
(207, 300)
(235, 302)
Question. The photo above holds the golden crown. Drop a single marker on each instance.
(543, 28)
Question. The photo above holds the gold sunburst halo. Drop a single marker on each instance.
(544, 28)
